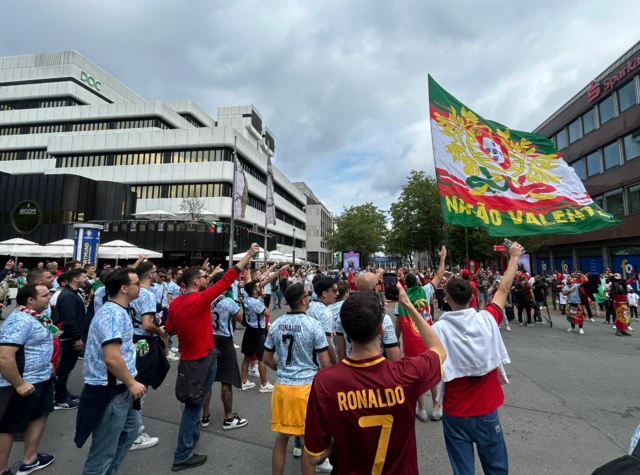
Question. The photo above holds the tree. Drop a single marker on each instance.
(359, 228)
(192, 206)
(416, 218)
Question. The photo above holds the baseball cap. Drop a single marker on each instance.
(465, 273)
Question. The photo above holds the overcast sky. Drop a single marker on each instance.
(341, 84)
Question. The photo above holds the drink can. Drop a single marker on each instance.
(142, 347)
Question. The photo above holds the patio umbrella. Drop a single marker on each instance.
(123, 250)
(14, 247)
(257, 258)
(290, 258)
(155, 214)
(277, 257)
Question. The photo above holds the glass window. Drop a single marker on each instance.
(574, 130)
(611, 155)
(634, 199)
(578, 167)
(632, 145)
(179, 193)
(180, 227)
(200, 156)
(615, 204)
(170, 227)
(593, 163)
(210, 188)
(599, 201)
(561, 139)
(627, 96)
(606, 110)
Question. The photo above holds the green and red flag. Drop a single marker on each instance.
(214, 226)
(411, 340)
(509, 182)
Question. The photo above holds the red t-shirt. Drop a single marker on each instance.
(474, 300)
(190, 318)
(469, 397)
(368, 408)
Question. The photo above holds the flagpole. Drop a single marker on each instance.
(233, 194)
(266, 223)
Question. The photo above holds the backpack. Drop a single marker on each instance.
(625, 465)
(519, 291)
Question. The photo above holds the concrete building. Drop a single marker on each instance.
(319, 224)
(598, 133)
(62, 114)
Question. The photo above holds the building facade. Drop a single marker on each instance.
(62, 114)
(319, 225)
(598, 134)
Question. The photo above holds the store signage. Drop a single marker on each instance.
(594, 88)
(26, 217)
(91, 81)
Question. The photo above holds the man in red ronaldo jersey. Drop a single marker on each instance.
(190, 318)
(473, 375)
(363, 408)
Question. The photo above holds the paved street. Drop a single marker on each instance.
(570, 407)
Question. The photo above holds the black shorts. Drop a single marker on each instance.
(21, 411)
(253, 342)
(228, 370)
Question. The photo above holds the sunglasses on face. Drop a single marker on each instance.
(135, 283)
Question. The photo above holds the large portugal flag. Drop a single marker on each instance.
(510, 182)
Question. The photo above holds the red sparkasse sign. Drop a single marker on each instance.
(499, 248)
(594, 88)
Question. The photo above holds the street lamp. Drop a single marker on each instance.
(294, 248)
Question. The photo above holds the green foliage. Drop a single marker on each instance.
(359, 228)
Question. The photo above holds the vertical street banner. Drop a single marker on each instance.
(240, 191)
(509, 182)
(86, 241)
(271, 205)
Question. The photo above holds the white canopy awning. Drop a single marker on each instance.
(123, 250)
(155, 214)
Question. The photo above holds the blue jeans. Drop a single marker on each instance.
(460, 433)
(189, 431)
(537, 315)
(277, 298)
(113, 437)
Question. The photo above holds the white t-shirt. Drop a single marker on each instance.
(633, 299)
(54, 298)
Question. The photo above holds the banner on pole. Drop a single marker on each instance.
(509, 182)
(240, 191)
(271, 205)
(86, 241)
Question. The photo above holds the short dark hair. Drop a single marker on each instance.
(189, 275)
(104, 274)
(117, 279)
(36, 274)
(343, 288)
(322, 285)
(63, 278)
(144, 268)
(73, 273)
(361, 316)
(459, 290)
(71, 265)
(411, 280)
(162, 270)
(250, 287)
(293, 295)
(26, 292)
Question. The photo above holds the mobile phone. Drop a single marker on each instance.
(507, 243)
(390, 281)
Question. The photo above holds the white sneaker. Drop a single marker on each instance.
(592, 320)
(237, 347)
(436, 414)
(267, 388)
(144, 442)
(581, 331)
(570, 329)
(174, 350)
(173, 357)
(247, 385)
(614, 327)
(324, 466)
(508, 328)
(630, 329)
(254, 372)
(236, 422)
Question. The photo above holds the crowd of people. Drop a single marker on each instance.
(350, 382)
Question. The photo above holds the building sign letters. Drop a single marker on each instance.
(594, 88)
(91, 81)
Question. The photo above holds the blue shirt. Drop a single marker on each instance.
(323, 314)
(98, 298)
(111, 323)
(296, 338)
(157, 291)
(144, 304)
(21, 329)
(574, 296)
(222, 311)
(173, 289)
(254, 312)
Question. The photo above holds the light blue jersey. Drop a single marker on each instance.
(23, 330)
(254, 312)
(98, 299)
(222, 311)
(296, 338)
(144, 304)
(323, 314)
(111, 323)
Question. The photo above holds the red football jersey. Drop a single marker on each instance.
(368, 407)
